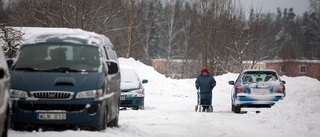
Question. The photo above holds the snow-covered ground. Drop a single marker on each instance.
(170, 111)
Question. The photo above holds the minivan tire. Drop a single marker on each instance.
(114, 122)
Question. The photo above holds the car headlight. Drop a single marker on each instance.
(137, 93)
(90, 94)
(18, 93)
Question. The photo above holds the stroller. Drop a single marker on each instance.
(204, 100)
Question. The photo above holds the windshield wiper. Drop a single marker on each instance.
(27, 69)
(64, 69)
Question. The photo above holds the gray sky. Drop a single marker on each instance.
(299, 6)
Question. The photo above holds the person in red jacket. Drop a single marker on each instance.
(205, 83)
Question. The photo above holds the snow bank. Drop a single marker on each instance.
(299, 113)
(170, 112)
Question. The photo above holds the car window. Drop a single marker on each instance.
(259, 76)
(111, 53)
(128, 75)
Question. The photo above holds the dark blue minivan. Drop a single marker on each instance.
(64, 80)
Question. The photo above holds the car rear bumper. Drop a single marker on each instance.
(257, 100)
(128, 101)
(82, 113)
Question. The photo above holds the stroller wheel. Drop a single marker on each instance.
(196, 108)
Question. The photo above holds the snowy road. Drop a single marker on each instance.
(170, 112)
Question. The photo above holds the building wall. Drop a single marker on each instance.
(293, 68)
(177, 68)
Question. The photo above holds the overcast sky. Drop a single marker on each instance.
(299, 6)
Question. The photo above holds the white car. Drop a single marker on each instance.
(256, 88)
(132, 90)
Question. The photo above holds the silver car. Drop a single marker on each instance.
(4, 96)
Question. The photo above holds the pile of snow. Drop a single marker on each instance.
(299, 112)
(169, 111)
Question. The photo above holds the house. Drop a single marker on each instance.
(177, 68)
(293, 68)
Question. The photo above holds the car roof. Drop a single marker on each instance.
(126, 67)
(73, 36)
(258, 70)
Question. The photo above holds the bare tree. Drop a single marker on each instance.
(146, 29)
(10, 40)
(130, 15)
(238, 44)
(90, 15)
(171, 31)
(214, 33)
(171, 28)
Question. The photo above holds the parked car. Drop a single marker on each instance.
(65, 80)
(132, 90)
(4, 96)
(256, 88)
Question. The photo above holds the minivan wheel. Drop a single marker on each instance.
(114, 122)
(105, 120)
(101, 126)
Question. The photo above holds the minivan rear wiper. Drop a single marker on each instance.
(64, 69)
(27, 69)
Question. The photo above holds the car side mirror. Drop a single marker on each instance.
(283, 82)
(144, 81)
(1, 73)
(113, 67)
(231, 82)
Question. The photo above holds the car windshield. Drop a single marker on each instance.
(58, 57)
(129, 79)
(259, 76)
(128, 76)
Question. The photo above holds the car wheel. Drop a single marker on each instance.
(141, 107)
(237, 109)
(135, 108)
(232, 107)
(210, 109)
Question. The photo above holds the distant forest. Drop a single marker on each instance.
(213, 33)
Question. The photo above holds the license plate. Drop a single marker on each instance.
(51, 116)
(123, 98)
(260, 91)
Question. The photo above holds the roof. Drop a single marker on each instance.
(293, 60)
(35, 35)
(251, 70)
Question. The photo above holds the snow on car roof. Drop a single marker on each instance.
(61, 35)
(251, 70)
(126, 67)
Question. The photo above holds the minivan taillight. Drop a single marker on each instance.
(239, 88)
(281, 88)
